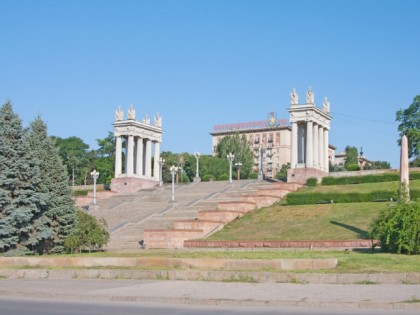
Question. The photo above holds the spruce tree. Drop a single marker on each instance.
(58, 219)
(20, 200)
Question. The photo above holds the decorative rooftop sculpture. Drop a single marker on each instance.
(119, 114)
(294, 97)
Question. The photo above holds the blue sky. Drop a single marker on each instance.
(201, 63)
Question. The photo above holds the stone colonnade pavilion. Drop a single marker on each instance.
(309, 143)
(142, 140)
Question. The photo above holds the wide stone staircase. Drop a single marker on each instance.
(148, 218)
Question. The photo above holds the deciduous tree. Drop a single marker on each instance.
(409, 120)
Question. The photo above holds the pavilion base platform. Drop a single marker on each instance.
(132, 184)
(301, 175)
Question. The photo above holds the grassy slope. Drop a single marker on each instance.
(311, 222)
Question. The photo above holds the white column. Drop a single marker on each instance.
(294, 148)
(130, 156)
(309, 145)
(156, 161)
(139, 156)
(326, 164)
(148, 160)
(321, 147)
(118, 157)
(316, 146)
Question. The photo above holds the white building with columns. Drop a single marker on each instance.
(310, 138)
(134, 167)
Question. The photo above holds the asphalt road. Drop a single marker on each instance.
(24, 306)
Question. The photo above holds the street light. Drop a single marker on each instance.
(262, 153)
(173, 170)
(238, 168)
(161, 162)
(95, 176)
(197, 157)
(230, 158)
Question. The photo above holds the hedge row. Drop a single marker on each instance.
(373, 178)
(299, 198)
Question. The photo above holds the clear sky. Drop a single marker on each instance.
(200, 63)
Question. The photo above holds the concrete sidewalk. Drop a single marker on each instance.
(369, 296)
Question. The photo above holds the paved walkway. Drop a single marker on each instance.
(369, 296)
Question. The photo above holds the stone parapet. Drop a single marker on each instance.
(162, 262)
(276, 192)
(169, 238)
(131, 184)
(242, 206)
(261, 200)
(205, 225)
(224, 216)
(280, 244)
(289, 186)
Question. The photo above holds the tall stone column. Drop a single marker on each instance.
(309, 144)
(148, 159)
(118, 157)
(321, 147)
(326, 160)
(130, 156)
(294, 149)
(139, 157)
(316, 146)
(156, 161)
(404, 171)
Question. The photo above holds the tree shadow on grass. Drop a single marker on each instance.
(360, 233)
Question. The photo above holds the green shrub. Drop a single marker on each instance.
(223, 177)
(80, 193)
(207, 178)
(312, 181)
(398, 229)
(353, 167)
(347, 180)
(90, 234)
(253, 176)
(304, 198)
(414, 175)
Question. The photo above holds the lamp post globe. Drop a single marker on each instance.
(197, 157)
(95, 176)
(161, 163)
(173, 169)
(230, 158)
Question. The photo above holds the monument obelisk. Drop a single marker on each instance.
(404, 174)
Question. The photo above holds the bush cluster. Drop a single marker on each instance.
(373, 178)
(398, 229)
(312, 181)
(299, 198)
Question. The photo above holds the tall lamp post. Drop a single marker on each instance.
(197, 157)
(161, 162)
(262, 152)
(95, 176)
(238, 168)
(173, 170)
(230, 158)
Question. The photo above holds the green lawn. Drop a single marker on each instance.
(306, 222)
(362, 188)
